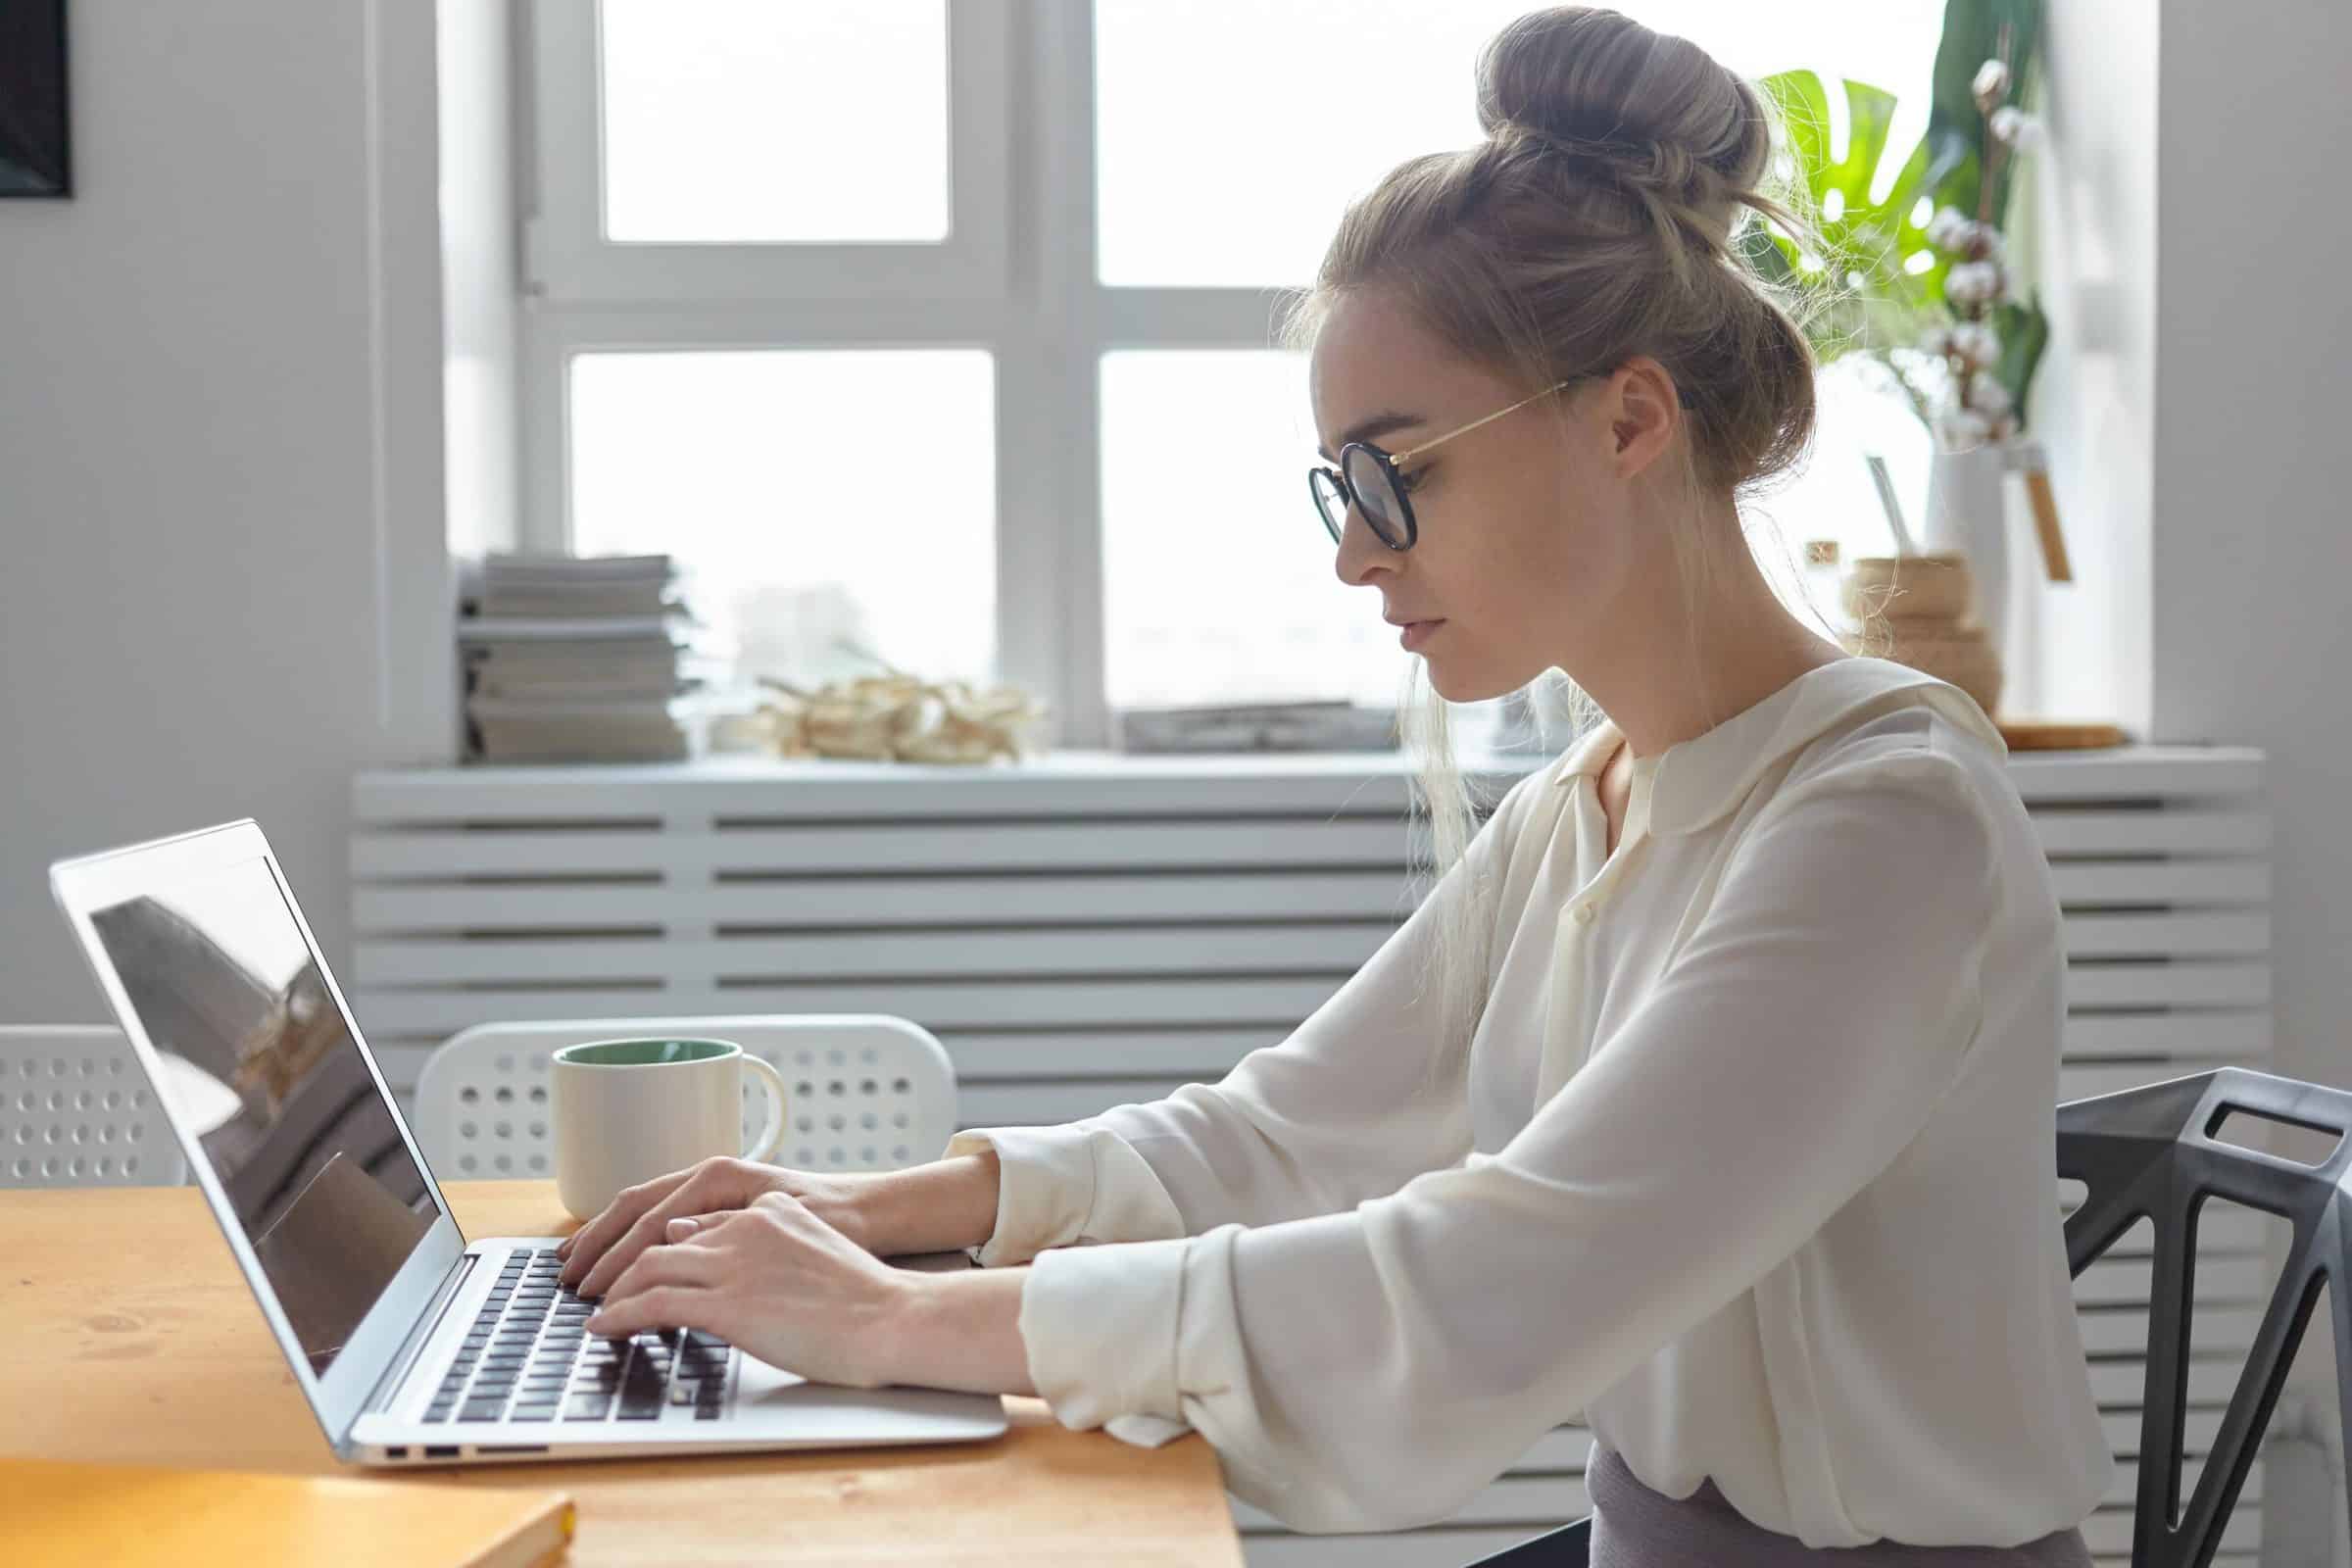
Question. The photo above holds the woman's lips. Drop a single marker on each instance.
(1417, 632)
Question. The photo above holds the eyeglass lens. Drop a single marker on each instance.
(1382, 507)
(1368, 477)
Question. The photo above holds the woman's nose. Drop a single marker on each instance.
(1360, 553)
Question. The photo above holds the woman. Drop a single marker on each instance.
(1727, 1123)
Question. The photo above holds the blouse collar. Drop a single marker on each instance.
(1693, 782)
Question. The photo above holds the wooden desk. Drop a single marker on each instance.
(131, 1338)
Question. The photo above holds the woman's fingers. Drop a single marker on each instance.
(666, 1265)
(661, 1306)
(715, 1184)
(583, 1247)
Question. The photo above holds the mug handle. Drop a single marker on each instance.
(773, 1133)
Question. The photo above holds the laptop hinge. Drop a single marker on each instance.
(381, 1396)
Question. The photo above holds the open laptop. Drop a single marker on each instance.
(413, 1343)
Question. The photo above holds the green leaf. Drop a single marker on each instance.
(2024, 334)
(1860, 297)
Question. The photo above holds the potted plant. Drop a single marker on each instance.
(1919, 281)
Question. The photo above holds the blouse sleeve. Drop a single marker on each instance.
(1373, 1369)
(1341, 1110)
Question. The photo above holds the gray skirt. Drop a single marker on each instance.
(1633, 1527)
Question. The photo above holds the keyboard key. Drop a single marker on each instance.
(587, 1409)
(481, 1409)
(438, 1410)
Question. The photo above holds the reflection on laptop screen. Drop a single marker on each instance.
(312, 1160)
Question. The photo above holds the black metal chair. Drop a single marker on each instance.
(2150, 1153)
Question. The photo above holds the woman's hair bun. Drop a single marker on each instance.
(1596, 83)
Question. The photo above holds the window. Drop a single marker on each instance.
(892, 317)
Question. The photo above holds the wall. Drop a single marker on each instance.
(220, 475)
(2194, 401)
(2251, 552)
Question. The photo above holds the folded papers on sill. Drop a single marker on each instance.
(1301, 726)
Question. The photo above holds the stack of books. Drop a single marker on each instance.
(571, 659)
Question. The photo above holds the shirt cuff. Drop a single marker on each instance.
(1099, 1327)
(1059, 1186)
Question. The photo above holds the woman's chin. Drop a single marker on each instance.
(1460, 682)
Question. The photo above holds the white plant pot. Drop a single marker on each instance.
(1968, 509)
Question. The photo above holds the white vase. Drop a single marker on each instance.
(1968, 509)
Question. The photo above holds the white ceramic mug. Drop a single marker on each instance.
(629, 1110)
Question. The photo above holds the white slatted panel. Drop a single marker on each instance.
(1090, 930)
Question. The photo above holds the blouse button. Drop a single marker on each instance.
(1584, 914)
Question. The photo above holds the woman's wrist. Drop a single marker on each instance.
(942, 1206)
(954, 1331)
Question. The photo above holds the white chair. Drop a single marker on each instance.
(868, 1091)
(76, 1111)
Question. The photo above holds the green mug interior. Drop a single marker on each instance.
(644, 1052)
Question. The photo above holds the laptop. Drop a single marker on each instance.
(414, 1342)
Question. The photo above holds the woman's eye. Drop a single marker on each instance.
(1410, 482)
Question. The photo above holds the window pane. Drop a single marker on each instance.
(747, 121)
(766, 475)
(1317, 99)
(1218, 577)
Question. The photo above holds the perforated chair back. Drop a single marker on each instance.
(867, 1090)
(76, 1111)
(2150, 1153)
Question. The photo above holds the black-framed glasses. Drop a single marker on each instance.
(1367, 476)
(1372, 482)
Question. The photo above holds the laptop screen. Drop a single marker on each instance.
(301, 1141)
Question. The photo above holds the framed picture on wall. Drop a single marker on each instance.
(35, 154)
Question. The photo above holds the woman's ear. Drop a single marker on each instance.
(1642, 413)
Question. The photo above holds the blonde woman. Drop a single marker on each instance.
(1708, 1097)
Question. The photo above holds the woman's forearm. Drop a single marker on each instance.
(958, 1330)
(946, 1204)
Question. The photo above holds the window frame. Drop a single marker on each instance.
(567, 257)
(1048, 320)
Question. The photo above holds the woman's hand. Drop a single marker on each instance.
(596, 1255)
(772, 1279)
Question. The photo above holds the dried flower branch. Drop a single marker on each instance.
(896, 718)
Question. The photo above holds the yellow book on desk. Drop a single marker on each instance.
(131, 1516)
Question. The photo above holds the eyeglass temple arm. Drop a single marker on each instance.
(1401, 457)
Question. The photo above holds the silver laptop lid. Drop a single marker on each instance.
(325, 1199)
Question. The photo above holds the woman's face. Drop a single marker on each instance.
(1524, 529)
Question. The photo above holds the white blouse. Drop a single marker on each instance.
(1753, 1165)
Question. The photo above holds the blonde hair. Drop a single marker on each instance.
(1600, 219)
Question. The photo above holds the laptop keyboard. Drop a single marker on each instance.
(529, 1358)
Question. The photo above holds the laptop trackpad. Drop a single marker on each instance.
(828, 1410)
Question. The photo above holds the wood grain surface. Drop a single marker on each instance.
(132, 1338)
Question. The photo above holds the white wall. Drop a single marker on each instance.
(2251, 541)
(220, 481)
(2196, 400)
